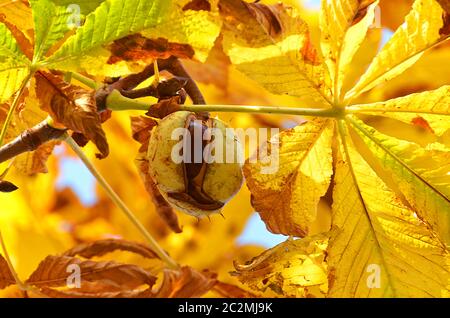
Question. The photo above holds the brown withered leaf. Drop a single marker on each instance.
(80, 293)
(22, 40)
(6, 186)
(36, 161)
(72, 107)
(163, 208)
(91, 290)
(24, 43)
(186, 283)
(232, 291)
(183, 283)
(6, 277)
(53, 272)
(164, 107)
(445, 4)
(102, 247)
(135, 47)
(141, 127)
(198, 5)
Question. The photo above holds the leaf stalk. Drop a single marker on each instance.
(120, 204)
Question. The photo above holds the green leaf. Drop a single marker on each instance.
(51, 23)
(14, 65)
(112, 20)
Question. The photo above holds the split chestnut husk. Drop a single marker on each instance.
(186, 163)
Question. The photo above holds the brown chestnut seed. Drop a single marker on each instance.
(195, 162)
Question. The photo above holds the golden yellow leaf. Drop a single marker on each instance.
(379, 248)
(424, 27)
(431, 107)
(295, 268)
(287, 198)
(275, 50)
(344, 25)
(421, 174)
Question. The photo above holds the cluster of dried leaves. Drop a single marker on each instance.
(54, 277)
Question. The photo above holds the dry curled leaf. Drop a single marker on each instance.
(185, 283)
(6, 277)
(102, 247)
(140, 130)
(138, 48)
(77, 293)
(164, 107)
(163, 208)
(54, 271)
(36, 162)
(72, 107)
(198, 5)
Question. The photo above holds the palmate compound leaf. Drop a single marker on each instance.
(287, 197)
(73, 107)
(350, 21)
(407, 45)
(275, 50)
(398, 237)
(14, 65)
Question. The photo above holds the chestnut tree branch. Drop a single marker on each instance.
(30, 140)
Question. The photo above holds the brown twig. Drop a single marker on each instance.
(30, 140)
(176, 68)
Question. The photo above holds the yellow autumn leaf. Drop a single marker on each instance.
(287, 196)
(380, 248)
(275, 50)
(430, 107)
(421, 174)
(195, 30)
(406, 45)
(198, 29)
(351, 20)
(295, 268)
